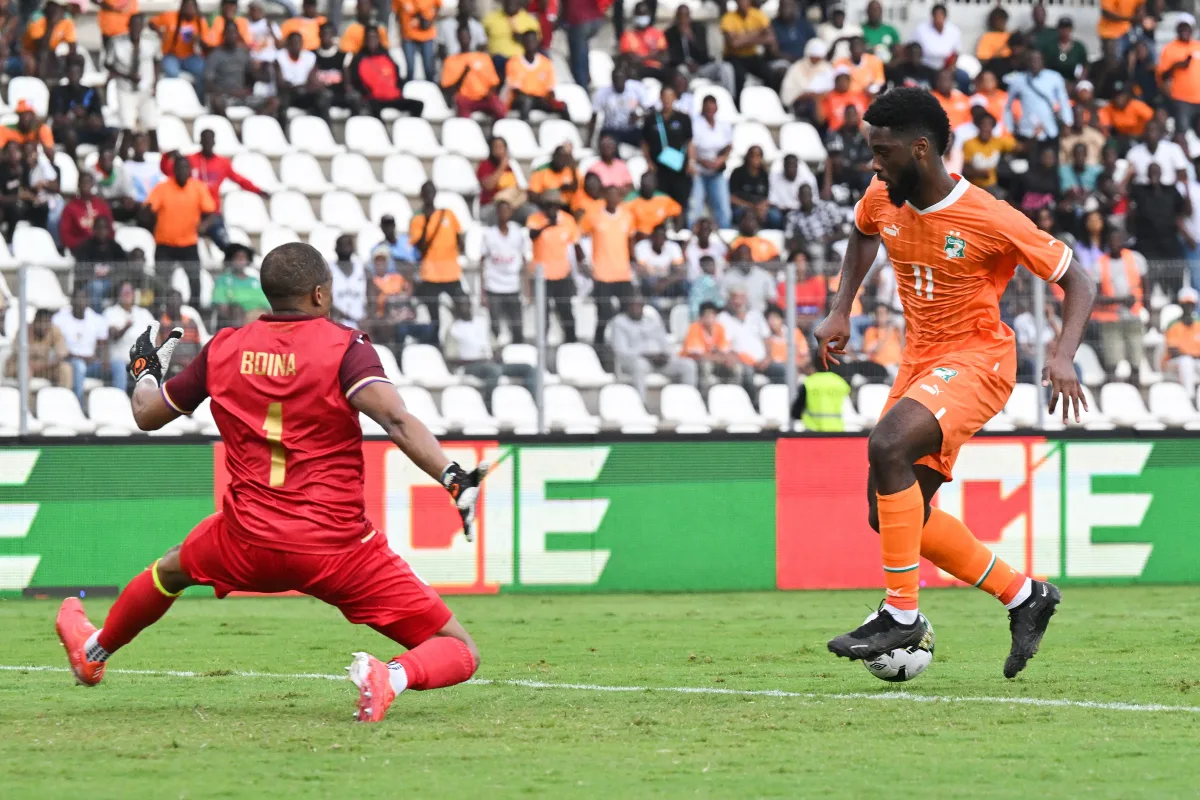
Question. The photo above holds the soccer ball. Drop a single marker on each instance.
(904, 664)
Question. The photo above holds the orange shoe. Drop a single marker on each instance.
(375, 692)
(73, 631)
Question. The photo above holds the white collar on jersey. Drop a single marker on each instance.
(958, 191)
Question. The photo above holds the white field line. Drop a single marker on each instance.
(1038, 702)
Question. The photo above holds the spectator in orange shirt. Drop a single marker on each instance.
(882, 341)
(707, 343)
(438, 236)
(416, 19)
(644, 45)
(1179, 71)
(866, 68)
(777, 347)
(1182, 357)
(28, 129)
(650, 207)
(113, 18)
(182, 209)
(832, 108)
(611, 229)
(1126, 115)
(555, 238)
(590, 197)
(308, 25)
(989, 95)
(228, 16)
(364, 18)
(182, 33)
(469, 80)
(956, 104)
(175, 316)
(762, 251)
(42, 37)
(531, 80)
(561, 174)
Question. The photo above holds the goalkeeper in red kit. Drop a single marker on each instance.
(286, 394)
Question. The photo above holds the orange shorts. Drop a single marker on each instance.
(962, 390)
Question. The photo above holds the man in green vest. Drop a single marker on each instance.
(819, 401)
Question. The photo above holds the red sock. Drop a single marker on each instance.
(141, 604)
(438, 662)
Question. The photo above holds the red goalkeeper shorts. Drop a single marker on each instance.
(370, 584)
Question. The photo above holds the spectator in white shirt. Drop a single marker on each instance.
(784, 185)
(744, 275)
(126, 322)
(660, 267)
(621, 105)
(704, 242)
(132, 63)
(837, 32)
(1156, 149)
(640, 346)
(712, 140)
(468, 346)
(264, 34)
(747, 332)
(86, 333)
(503, 268)
(941, 42)
(297, 83)
(141, 174)
(447, 30)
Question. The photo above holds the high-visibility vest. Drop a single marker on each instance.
(1111, 313)
(824, 394)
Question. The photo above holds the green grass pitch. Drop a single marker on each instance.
(220, 734)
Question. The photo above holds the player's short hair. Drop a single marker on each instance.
(292, 270)
(913, 112)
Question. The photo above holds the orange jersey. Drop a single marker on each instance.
(1183, 337)
(649, 214)
(864, 75)
(536, 79)
(957, 107)
(953, 261)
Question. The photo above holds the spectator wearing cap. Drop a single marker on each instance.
(86, 335)
(1116, 311)
(80, 214)
(1065, 54)
(308, 25)
(640, 346)
(831, 111)
(376, 79)
(530, 80)
(43, 35)
(1044, 102)
(77, 111)
(237, 294)
(848, 168)
(749, 45)
(1116, 22)
(416, 19)
(866, 69)
(1182, 357)
(555, 239)
(993, 42)
(1126, 116)
(182, 209)
(687, 50)
(402, 255)
(28, 129)
(983, 154)
(183, 33)
(131, 59)
(1087, 110)
(621, 107)
(837, 32)
(1179, 71)
(807, 80)
(907, 68)
(438, 236)
(469, 80)
(941, 42)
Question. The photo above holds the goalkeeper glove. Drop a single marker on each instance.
(146, 359)
(464, 489)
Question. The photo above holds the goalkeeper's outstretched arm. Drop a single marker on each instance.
(147, 365)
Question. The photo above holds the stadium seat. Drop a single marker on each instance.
(368, 136)
(850, 416)
(58, 407)
(524, 353)
(424, 365)
(1122, 403)
(173, 135)
(68, 173)
(131, 237)
(871, 399)
(968, 64)
(391, 203)
(263, 134)
(59, 431)
(405, 173)
(519, 137)
(257, 168)
(109, 407)
(514, 408)
(203, 419)
(621, 407)
(31, 89)
(579, 103)
(747, 134)
(463, 135)
(181, 284)
(315, 134)
(679, 320)
(431, 95)
(43, 288)
(420, 404)
(293, 210)
(463, 409)
(730, 406)
(775, 237)
(32, 246)
(10, 411)
(7, 261)
(1022, 405)
(390, 368)
(772, 399)
(637, 168)
(324, 239)
(342, 210)
(1092, 373)
(302, 172)
(1170, 404)
(600, 67)
(682, 406)
(416, 137)
(802, 140)
(577, 365)
(226, 142)
(565, 410)
(454, 202)
(761, 104)
(726, 108)
(1170, 312)
(177, 97)
(369, 237)
(248, 210)
(180, 426)
(453, 173)
(554, 132)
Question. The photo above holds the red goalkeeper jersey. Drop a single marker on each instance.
(281, 389)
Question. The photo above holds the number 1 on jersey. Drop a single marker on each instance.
(273, 428)
(928, 287)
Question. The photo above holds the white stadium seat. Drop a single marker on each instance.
(968, 64)
(391, 369)
(600, 67)
(554, 132)
(1122, 403)
(773, 401)
(682, 406)
(131, 238)
(513, 407)
(454, 202)
(726, 108)
(342, 210)
(871, 399)
(463, 135)
(463, 409)
(1170, 404)
(391, 203)
(10, 410)
(108, 406)
(173, 135)
(68, 173)
(324, 239)
(7, 261)
(226, 141)
(405, 173)
(749, 134)
(761, 104)
(416, 137)
(257, 168)
(36, 246)
(420, 404)
(431, 95)
(302, 172)
(293, 210)
(31, 89)
(177, 97)
(315, 135)
(454, 173)
(264, 135)
(1092, 373)
(731, 407)
(577, 365)
(565, 409)
(58, 407)
(423, 364)
(579, 102)
(637, 168)
(368, 238)
(1170, 312)
(43, 288)
(802, 140)
(519, 137)
(621, 407)
(248, 210)
(368, 136)
(274, 236)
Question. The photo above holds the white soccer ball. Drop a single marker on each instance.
(904, 663)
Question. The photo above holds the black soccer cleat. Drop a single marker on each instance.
(879, 635)
(1027, 623)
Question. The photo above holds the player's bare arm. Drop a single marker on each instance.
(833, 332)
(1079, 291)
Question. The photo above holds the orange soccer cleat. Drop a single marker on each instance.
(375, 692)
(74, 629)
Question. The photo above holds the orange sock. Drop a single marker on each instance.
(901, 516)
(950, 544)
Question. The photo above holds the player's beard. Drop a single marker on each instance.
(904, 186)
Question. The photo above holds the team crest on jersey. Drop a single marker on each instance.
(945, 373)
(956, 247)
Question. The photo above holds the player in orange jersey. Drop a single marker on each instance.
(954, 248)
